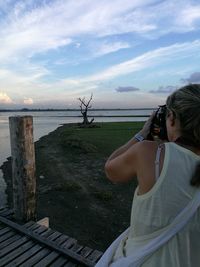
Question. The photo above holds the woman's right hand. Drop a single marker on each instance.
(147, 126)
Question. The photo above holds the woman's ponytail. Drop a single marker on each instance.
(185, 103)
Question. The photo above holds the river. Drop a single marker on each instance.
(47, 121)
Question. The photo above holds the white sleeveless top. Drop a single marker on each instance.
(154, 211)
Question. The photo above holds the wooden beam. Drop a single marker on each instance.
(65, 251)
(23, 167)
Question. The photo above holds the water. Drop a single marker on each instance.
(47, 121)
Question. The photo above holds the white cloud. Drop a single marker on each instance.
(189, 16)
(165, 17)
(106, 48)
(152, 58)
(9, 78)
(157, 57)
(73, 86)
(5, 99)
(29, 28)
(28, 101)
(77, 45)
(27, 31)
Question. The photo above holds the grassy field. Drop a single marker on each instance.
(102, 139)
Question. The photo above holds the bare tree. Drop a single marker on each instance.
(85, 105)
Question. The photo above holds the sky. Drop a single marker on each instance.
(127, 53)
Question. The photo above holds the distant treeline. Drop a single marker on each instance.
(52, 109)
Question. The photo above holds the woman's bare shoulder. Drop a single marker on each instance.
(146, 165)
(147, 147)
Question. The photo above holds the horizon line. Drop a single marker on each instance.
(70, 109)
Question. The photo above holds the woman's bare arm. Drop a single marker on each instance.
(122, 164)
(123, 167)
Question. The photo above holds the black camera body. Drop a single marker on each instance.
(158, 126)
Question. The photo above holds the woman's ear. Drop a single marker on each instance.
(172, 118)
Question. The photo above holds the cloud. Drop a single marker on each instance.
(189, 16)
(149, 59)
(194, 78)
(28, 101)
(28, 28)
(5, 99)
(124, 89)
(77, 45)
(31, 28)
(164, 89)
(106, 48)
(31, 81)
(18, 82)
(170, 16)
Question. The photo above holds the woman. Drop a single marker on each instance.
(162, 233)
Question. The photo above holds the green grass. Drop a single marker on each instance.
(102, 139)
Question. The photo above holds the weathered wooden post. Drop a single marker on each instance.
(23, 167)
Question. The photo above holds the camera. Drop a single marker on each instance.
(158, 126)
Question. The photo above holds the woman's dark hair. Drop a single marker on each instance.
(185, 105)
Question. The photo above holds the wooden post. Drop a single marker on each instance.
(23, 167)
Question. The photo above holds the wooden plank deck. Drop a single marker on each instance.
(33, 244)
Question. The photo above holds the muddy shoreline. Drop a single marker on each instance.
(74, 193)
